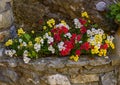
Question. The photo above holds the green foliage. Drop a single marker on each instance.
(114, 12)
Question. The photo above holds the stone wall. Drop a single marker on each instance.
(59, 71)
(6, 18)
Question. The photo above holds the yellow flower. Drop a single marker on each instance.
(51, 23)
(112, 45)
(104, 36)
(37, 39)
(20, 32)
(32, 31)
(102, 52)
(30, 43)
(44, 27)
(84, 14)
(49, 33)
(98, 38)
(63, 22)
(75, 58)
(21, 44)
(9, 42)
(95, 50)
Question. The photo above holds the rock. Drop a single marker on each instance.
(73, 71)
(56, 63)
(6, 15)
(1, 52)
(97, 69)
(11, 74)
(83, 78)
(108, 79)
(92, 83)
(117, 41)
(101, 6)
(79, 63)
(12, 62)
(99, 61)
(58, 79)
(13, 33)
(4, 35)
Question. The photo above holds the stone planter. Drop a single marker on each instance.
(59, 71)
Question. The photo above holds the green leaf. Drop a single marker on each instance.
(27, 37)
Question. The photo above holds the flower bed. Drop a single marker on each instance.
(83, 37)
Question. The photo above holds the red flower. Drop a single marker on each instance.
(82, 21)
(79, 37)
(69, 45)
(78, 52)
(57, 37)
(40, 21)
(65, 52)
(105, 46)
(54, 30)
(64, 29)
(85, 46)
(73, 38)
(83, 30)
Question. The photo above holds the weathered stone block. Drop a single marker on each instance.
(108, 79)
(6, 15)
(58, 80)
(97, 69)
(4, 35)
(83, 78)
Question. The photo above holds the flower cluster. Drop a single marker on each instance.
(60, 39)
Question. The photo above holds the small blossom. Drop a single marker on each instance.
(26, 59)
(50, 48)
(9, 42)
(37, 47)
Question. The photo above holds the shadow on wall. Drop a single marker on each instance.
(28, 13)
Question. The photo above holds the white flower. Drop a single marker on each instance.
(61, 25)
(26, 59)
(93, 31)
(89, 33)
(50, 48)
(61, 46)
(42, 41)
(77, 23)
(10, 52)
(24, 44)
(50, 39)
(37, 47)
(20, 40)
(80, 41)
(100, 31)
(68, 35)
(45, 36)
(25, 54)
(18, 47)
(110, 38)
